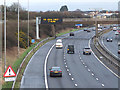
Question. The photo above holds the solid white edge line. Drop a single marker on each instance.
(45, 67)
(102, 62)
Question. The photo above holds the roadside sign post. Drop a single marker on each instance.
(33, 41)
(9, 74)
(79, 25)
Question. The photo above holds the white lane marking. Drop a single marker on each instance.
(45, 67)
(76, 85)
(66, 66)
(103, 85)
(67, 69)
(83, 63)
(70, 74)
(64, 60)
(65, 63)
(81, 60)
(64, 57)
(102, 62)
(92, 74)
(89, 70)
(72, 79)
(97, 79)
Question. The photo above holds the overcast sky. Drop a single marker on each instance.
(50, 5)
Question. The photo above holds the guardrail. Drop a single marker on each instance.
(115, 61)
(109, 56)
(26, 57)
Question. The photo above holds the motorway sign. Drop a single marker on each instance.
(33, 41)
(51, 20)
(9, 72)
(78, 25)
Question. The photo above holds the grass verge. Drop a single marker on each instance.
(59, 34)
(19, 61)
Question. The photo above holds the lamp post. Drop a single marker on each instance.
(28, 23)
(5, 34)
(18, 30)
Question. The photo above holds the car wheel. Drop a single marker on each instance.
(83, 53)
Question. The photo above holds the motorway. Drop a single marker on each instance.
(111, 46)
(79, 71)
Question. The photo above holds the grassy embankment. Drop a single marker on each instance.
(17, 63)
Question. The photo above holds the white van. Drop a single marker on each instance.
(114, 28)
(59, 44)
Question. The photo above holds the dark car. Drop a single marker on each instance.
(86, 51)
(70, 49)
(55, 71)
(109, 39)
(85, 29)
(71, 34)
(88, 30)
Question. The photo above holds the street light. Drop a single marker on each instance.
(28, 23)
(5, 34)
(18, 30)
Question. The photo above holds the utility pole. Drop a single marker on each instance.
(28, 23)
(18, 31)
(1, 23)
(5, 35)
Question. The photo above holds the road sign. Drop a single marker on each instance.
(51, 20)
(78, 25)
(33, 41)
(9, 72)
(9, 79)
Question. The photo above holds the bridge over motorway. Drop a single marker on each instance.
(92, 20)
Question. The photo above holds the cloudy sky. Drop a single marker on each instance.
(46, 5)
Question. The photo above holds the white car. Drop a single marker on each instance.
(114, 28)
(118, 43)
(59, 45)
(116, 33)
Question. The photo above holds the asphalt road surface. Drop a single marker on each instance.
(111, 46)
(79, 71)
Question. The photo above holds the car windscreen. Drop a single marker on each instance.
(56, 69)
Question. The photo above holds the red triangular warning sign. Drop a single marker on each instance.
(9, 72)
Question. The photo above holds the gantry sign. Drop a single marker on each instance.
(47, 20)
(51, 20)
